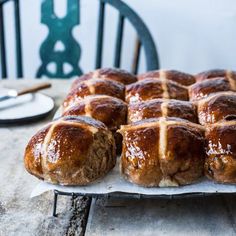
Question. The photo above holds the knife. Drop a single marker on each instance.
(12, 93)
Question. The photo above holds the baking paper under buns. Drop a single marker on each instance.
(162, 152)
(94, 86)
(220, 163)
(148, 89)
(173, 75)
(162, 108)
(71, 151)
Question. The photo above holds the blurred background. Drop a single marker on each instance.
(190, 35)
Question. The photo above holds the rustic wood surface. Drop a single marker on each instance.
(20, 215)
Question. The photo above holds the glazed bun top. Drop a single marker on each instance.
(216, 73)
(162, 108)
(94, 86)
(220, 164)
(148, 89)
(217, 107)
(205, 88)
(117, 75)
(162, 152)
(173, 75)
(158, 121)
(109, 110)
(72, 150)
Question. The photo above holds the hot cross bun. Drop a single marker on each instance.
(205, 88)
(220, 164)
(162, 152)
(74, 150)
(114, 74)
(216, 73)
(148, 89)
(162, 108)
(173, 75)
(94, 86)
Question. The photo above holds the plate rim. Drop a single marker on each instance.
(30, 118)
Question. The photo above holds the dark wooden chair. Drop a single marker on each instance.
(60, 30)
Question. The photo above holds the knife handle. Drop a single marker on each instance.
(34, 88)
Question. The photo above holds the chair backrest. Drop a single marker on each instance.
(19, 69)
(72, 50)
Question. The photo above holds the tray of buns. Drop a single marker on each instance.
(163, 132)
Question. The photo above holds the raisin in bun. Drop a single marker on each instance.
(162, 152)
(148, 89)
(71, 151)
(173, 75)
(117, 75)
(162, 108)
(220, 164)
(94, 86)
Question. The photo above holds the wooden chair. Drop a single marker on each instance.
(71, 54)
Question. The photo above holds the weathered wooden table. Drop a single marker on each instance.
(20, 215)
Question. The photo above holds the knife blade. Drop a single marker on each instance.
(12, 93)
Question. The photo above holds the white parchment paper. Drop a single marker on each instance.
(114, 182)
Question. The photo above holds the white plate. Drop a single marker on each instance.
(24, 108)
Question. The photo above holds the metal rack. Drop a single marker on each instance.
(122, 195)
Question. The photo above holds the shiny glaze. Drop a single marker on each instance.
(217, 107)
(61, 152)
(144, 163)
(203, 89)
(220, 164)
(109, 110)
(117, 75)
(154, 109)
(94, 86)
(211, 74)
(148, 89)
(173, 75)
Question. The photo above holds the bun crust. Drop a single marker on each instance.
(217, 107)
(71, 151)
(156, 152)
(163, 144)
(205, 88)
(109, 110)
(173, 75)
(148, 89)
(117, 75)
(92, 87)
(211, 74)
(162, 108)
(220, 164)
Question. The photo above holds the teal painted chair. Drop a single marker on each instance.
(60, 31)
